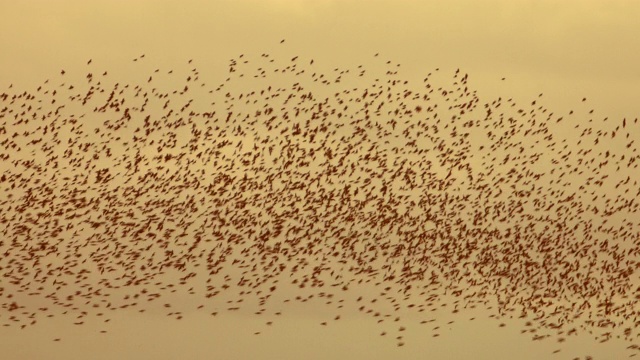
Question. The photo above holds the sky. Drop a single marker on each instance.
(567, 51)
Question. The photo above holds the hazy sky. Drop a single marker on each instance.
(565, 49)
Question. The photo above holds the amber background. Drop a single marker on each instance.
(567, 50)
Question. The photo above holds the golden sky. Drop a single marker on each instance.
(566, 50)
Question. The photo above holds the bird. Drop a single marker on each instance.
(326, 187)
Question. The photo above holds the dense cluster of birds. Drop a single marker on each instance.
(286, 178)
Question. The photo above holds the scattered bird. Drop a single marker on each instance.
(333, 183)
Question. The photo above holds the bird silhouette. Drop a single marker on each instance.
(327, 186)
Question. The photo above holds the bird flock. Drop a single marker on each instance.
(359, 189)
